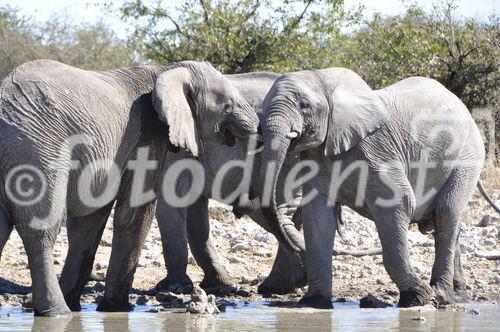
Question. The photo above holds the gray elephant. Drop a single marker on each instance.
(68, 135)
(369, 148)
(179, 224)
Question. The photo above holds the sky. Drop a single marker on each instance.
(91, 10)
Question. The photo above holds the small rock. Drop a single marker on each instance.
(235, 260)
(485, 221)
(490, 242)
(240, 247)
(242, 293)
(246, 280)
(22, 262)
(106, 242)
(142, 300)
(167, 297)
(27, 302)
(266, 238)
(262, 253)
(101, 266)
(371, 301)
(156, 263)
(419, 319)
(473, 311)
(191, 260)
(201, 303)
(97, 276)
(198, 294)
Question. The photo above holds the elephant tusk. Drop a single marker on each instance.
(259, 138)
(292, 135)
(258, 150)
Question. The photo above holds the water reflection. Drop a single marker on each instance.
(258, 316)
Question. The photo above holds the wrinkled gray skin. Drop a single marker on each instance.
(338, 118)
(43, 103)
(192, 223)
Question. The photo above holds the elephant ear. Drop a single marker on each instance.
(170, 100)
(355, 110)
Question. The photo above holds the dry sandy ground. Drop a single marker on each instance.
(248, 252)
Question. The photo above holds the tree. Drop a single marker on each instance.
(462, 53)
(237, 35)
(17, 42)
(88, 46)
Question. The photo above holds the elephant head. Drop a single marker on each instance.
(332, 110)
(199, 104)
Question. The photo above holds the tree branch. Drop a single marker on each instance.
(297, 21)
(253, 11)
(205, 11)
(177, 26)
(357, 253)
(493, 255)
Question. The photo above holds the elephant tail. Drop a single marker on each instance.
(5, 230)
(486, 196)
(340, 222)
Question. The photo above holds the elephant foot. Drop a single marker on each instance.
(57, 311)
(415, 297)
(175, 284)
(317, 301)
(444, 294)
(276, 287)
(73, 303)
(107, 305)
(461, 295)
(219, 285)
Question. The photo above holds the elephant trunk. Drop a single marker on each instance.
(276, 144)
(240, 124)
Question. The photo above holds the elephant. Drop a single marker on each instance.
(287, 272)
(69, 135)
(407, 153)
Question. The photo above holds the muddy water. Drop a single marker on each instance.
(262, 316)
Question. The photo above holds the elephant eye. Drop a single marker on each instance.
(227, 107)
(303, 103)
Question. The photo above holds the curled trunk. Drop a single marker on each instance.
(276, 146)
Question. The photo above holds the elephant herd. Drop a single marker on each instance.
(76, 144)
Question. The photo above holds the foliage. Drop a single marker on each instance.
(238, 35)
(88, 46)
(462, 53)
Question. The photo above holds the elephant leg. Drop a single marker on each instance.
(5, 230)
(131, 226)
(38, 226)
(172, 224)
(459, 283)
(282, 278)
(392, 227)
(319, 222)
(288, 271)
(48, 299)
(445, 235)
(451, 203)
(204, 251)
(84, 235)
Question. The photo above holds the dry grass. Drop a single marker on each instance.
(491, 177)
